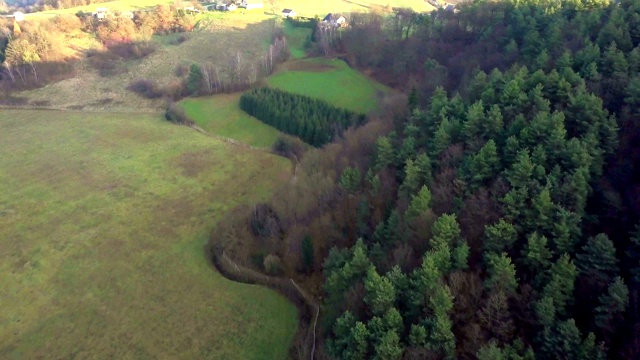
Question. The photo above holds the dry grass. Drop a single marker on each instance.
(214, 42)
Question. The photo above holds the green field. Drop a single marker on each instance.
(221, 115)
(103, 218)
(330, 80)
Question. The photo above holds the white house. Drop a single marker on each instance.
(252, 4)
(101, 13)
(18, 16)
(288, 13)
(335, 19)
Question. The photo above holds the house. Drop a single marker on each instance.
(334, 19)
(127, 14)
(252, 4)
(18, 16)
(451, 8)
(187, 7)
(101, 13)
(226, 7)
(288, 13)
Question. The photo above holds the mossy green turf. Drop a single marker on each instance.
(221, 115)
(103, 219)
(332, 81)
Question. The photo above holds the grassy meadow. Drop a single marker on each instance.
(103, 218)
(221, 115)
(330, 80)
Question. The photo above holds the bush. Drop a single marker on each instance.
(146, 88)
(272, 264)
(176, 114)
(181, 70)
(289, 146)
(132, 50)
(265, 221)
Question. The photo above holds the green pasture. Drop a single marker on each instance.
(103, 219)
(221, 115)
(330, 80)
(117, 5)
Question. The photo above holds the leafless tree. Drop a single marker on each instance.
(238, 64)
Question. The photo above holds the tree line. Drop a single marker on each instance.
(314, 121)
(494, 213)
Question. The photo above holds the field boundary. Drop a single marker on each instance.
(304, 344)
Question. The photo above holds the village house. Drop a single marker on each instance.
(251, 4)
(101, 13)
(288, 13)
(18, 16)
(335, 20)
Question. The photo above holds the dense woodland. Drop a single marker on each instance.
(314, 121)
(494, 214)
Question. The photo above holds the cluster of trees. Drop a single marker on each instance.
(36, 51)
(497, 217)
(29, 6)
(314, 121)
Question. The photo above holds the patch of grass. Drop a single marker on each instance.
(221, 115)
(330, 80)
(103, 218)
(296, 37)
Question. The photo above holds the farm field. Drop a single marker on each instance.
(330, 80)
(103, 218)
(221, 115)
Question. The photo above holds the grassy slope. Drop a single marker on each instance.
(103, 218)
(322, 8)
(330, 80)
(221, 115)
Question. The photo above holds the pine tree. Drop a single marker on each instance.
(612, 306)
(559, 287)
(380, 293)
(385, 155)
(597, 262)
(485, 164)
(420, 203)
(499, 237)
(536, 254)
(502, 274)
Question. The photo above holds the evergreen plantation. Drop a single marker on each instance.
(314, 121)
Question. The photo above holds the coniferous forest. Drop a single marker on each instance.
(314, 121)
(494, 214)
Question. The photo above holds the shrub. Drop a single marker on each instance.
(272, 264)
(181, 70)
(146, 88)
(289, 146)
(176, 114)
(265, 221)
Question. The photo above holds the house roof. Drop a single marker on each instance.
(332, 17)
(287, 11)
(450, 7)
